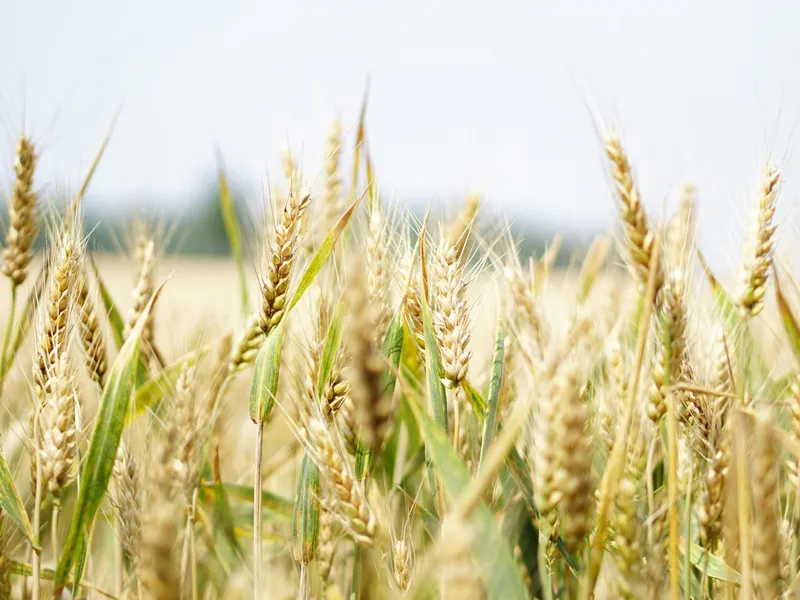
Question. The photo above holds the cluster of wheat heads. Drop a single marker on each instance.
(429, 415)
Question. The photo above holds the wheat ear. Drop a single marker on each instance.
(94, 346)
(759, 252)
(22, 214)
(451, 314)
(246, 348)
(349, 500)
(638, 233)
(143, 290)
(53, 336)
(127, 502)
(280, 257)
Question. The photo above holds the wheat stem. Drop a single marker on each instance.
(672, 483)
(193, 545)
(743, 503)
(7, 338)
(37, 509)
(257, 517)
(119, 562)
(54, 527)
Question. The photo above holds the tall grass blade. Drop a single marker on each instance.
(333, 340)
(710, 564)
(264, 385)
(305, 523)
(490, 423)
(360, 135)
(11, 503)
(787, 317)
(152, 391)
(475, 399)
(392, 350)
(322, 253)
(751, 355)
(26, 320)
(75, 206)
(233, 231)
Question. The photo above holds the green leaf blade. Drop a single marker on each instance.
(233, 231)
(787, 317)
(323, 252)
(11, 503)
(498, 362)
(433, 363)
(264, 385)
(305, 521)
(98, 463)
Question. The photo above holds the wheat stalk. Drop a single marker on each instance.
(766, 529)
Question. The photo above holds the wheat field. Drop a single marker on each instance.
(366, 404)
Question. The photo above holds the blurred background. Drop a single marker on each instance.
(508, 98)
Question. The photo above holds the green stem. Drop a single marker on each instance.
(193, 546)
(37, 511)
(355, 583)
(257, 517)
(54, 527)
(119, 566)
(7, 338)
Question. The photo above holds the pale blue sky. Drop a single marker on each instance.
(504, 96)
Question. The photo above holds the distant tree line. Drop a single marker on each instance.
(200, 230)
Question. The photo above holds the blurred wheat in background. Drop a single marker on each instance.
(409, 407)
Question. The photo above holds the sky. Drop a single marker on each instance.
(511, 98)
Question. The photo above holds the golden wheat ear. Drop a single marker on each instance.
(758, 257)
(127, 502)
(638, 233)
(91, 335)
(279, 260)
(22, 214)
